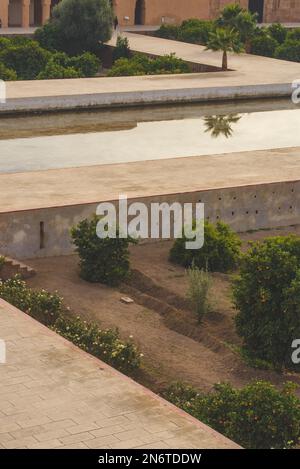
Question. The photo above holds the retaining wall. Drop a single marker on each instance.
(46, 232)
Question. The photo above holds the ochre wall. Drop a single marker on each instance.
(178, 10)
(288, 11)
(4, 13)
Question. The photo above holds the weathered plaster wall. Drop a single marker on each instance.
(243, 208)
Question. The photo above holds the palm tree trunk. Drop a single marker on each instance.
(224, 61)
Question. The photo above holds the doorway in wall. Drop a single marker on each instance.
(36, 12)
(140, 9)
(257, 6)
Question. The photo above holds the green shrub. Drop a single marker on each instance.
(50, 37)
(42, 305)
(140, 64)
(101, 260)
(289, 50)
(86, 64)
(122, 49)
(168, 31)
(257, 416)
(4, 43)
(264, 45)
(293, 34)
(26, 60)
(77, 26)
(103, 344)
(7, 74)
(278, 32)
(195, 31)
(220, 252)
(53, 71)
(199, 284)
(267, 297)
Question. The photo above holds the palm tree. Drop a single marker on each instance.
(226, 40)
(228, 15)
(221, 125)
(235, 17)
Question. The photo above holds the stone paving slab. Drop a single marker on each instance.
(54, 395)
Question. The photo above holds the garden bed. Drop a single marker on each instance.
(174, 345)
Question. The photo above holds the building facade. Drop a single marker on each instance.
(28, 13)
(154, 12)
(25, 13)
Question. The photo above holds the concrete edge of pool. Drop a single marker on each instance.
(143, 97)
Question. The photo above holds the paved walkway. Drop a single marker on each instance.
(253, 76)
(53, 395)
(54, 188)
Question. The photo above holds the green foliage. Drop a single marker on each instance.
(27, 59)
(199, 284)
(54, 71)
(42, 305)
(220, 252)
(104, 344)
(87, 64)
(267, 297)
(48, 309)
(122, 49)
(228, 15)
(293, 34)
(194, 30)
(50, 36)
(168, 31)
(289, 50)
(142, 65)
(264, 44)
(234, 17)
(78, 26)
(4, 43)
(101, 260)
(7, 74)
(258, 416)
(226, 40)
(277, 32)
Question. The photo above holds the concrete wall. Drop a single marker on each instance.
(243, 208)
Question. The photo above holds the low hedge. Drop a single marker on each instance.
(102, 343)
(140, 64)
(48, 309)
(257, 416)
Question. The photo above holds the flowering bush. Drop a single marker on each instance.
(42, 305)
(258, 416)
(102, 343)
(48, 309)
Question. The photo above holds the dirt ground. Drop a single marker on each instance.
(175, 346)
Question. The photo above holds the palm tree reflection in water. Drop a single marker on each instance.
(221, 125)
